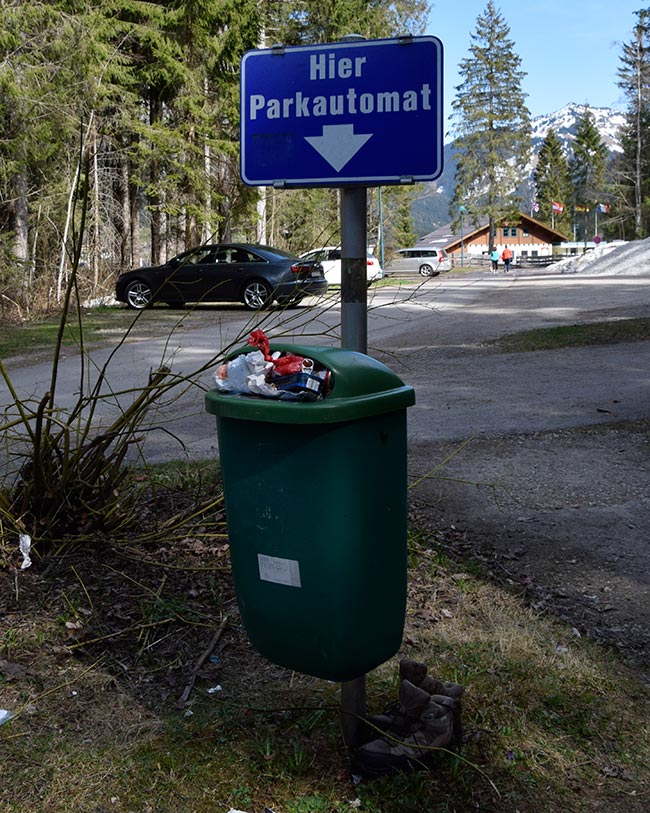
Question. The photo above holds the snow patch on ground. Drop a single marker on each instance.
(628, 259)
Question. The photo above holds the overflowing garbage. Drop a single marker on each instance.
(282, 375)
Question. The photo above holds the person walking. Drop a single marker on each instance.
(506, 256)
(494, 256)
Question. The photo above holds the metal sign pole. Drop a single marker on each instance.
(354, 336)
(354, 300)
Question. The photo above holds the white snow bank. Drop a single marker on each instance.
(629, 259)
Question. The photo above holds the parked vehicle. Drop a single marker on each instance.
(428, 262)
(330, 258)
(252, 274)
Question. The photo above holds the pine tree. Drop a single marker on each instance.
(493, 144)
(634, 166)
(398, 218)
(587, 166)
(296, 22)
(551, 180)
(55, 74)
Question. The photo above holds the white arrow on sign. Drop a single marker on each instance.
(338, 144)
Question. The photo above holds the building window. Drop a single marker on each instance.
(525, 233)
(513, 232)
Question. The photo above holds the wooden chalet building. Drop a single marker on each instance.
(527, 239)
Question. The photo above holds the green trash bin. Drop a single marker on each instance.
(316, 504)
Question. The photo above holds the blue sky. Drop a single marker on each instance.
(570, 49)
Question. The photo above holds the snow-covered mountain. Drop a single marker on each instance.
(431, 209)
(564, 122)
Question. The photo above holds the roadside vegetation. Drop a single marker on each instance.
(581, 335)
(108, 324)
(133, 688)
(101, 325)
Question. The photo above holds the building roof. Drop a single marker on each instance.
(438, 238)
(445, 237)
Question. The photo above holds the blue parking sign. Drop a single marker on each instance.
(365, 112)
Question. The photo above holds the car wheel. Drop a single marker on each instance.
(256, 295)
(426, 270)
(138, 295)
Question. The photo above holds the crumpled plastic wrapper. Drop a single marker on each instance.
(5, 716)
(25, 545)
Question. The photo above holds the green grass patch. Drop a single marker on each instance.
(592, 333)
(99, 325)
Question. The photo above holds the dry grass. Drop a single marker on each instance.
(547, 715)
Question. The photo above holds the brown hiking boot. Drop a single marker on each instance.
(413, 671)
(434, 686)
(401, 717)
(435, 729)
(453, 705)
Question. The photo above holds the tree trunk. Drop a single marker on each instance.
(95, 249)
(20, 227)
(638, 181)
(206, 234)
(123, 217)
(155, 116)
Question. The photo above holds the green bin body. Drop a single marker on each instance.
(316, 504)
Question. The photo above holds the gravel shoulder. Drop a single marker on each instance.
(560, 516)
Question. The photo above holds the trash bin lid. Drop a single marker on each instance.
(362, 387)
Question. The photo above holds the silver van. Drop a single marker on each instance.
(419, 260)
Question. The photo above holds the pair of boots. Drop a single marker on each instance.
(426, 717)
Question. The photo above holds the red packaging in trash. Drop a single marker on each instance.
(288, 365)
(259, 340)
(284, 365)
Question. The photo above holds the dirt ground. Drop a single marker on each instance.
(561, 517)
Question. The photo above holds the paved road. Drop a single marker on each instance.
(433, 335)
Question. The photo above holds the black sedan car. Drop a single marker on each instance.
(230, 272)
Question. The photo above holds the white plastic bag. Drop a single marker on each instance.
(238, 373)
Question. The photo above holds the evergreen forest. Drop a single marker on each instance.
(119, 137)
(119, 141)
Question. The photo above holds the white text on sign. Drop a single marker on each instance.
(340, 104)
(327, 66)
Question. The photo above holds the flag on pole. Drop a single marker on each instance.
(557, 207)
(604, 208)
(534, 206)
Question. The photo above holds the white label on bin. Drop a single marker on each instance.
(279, 571)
